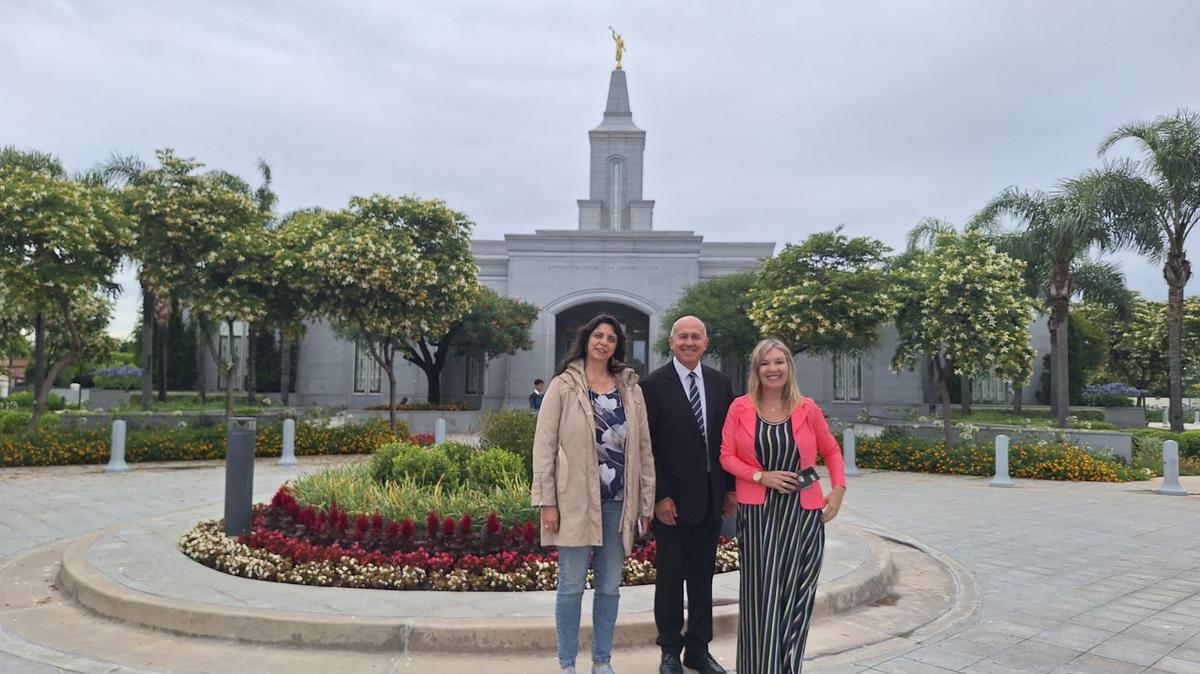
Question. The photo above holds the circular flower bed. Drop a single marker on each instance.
(293, 544)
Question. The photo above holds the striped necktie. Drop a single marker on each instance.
(698, 412)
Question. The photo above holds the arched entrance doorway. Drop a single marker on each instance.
(635, 323)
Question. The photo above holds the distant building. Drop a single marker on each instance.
(613, 261)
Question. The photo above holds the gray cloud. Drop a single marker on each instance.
(765, 121)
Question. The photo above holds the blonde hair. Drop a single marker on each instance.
(791, 392)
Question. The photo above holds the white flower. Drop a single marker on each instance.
(607, 473)
(606, 403)
(614, 437)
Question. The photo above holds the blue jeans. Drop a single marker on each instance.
(572, 576)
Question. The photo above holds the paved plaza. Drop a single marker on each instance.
(1064, 577)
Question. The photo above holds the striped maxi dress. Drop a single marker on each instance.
(780, 546)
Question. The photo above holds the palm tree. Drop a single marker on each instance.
(126, 171)
(1060, 229)
(265, 198)
(1158, 198)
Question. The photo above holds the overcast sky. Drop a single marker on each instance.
(765, 121)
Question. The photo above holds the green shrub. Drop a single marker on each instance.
(59, 447)
(494, 467)
(13, 422)
(1152, 438)
(459, 452)
(422, 465)
(22, 399)
(379, 467)
(511, 429)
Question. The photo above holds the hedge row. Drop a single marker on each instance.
(65, 447)
(1189, 441)
(1029, 460)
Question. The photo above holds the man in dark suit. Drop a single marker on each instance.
(686, 404)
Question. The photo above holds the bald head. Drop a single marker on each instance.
(688, 341)
(690, 323)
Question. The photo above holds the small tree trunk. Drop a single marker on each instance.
(389, 358)
(147, 347)
(39, 354)
(1061, 288)
(944, 385)
(1059, 388)
(1176, 272)
(285, 368)
(162, 361)
(251, 374)
(1016, 398)
(201, 366)
(431, 363)
(964, 395)
(230, 371)
(39, 404)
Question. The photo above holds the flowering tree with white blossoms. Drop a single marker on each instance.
(61, 241)
(827, 295)
(963, 302)
(389, 270)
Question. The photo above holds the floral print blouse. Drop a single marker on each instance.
(609, 414)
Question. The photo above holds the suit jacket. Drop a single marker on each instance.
(679, 447)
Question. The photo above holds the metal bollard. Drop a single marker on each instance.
(849, 452)
(439, 431)
(288, 456)
(1196, 417)
(1001, 479)
(239, 475)
(1170, 485)
(116, 459)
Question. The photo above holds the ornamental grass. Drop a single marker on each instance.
(65, 447)
(353, 488)
(1029, 460)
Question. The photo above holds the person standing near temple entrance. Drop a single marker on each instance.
(686, 404)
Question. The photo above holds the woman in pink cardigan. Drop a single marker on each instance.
(770, 443)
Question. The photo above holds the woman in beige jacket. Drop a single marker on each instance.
(593, 478)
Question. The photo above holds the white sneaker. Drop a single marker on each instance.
(567, 670)
(604, 668)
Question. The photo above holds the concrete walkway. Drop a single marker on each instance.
(1071, 577)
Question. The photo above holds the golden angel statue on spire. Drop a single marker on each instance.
(620, 45)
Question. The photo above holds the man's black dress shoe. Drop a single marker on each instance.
(705, 665)
(670, 664)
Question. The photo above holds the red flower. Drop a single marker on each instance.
(464, 525)
(448, 527)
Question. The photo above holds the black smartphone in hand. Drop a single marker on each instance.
(808, 477)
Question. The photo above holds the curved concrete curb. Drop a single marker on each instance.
(965, 603)
(94, 590)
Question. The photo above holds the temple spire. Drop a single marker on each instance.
(615, 201)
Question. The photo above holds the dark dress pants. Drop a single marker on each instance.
(687, 554)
